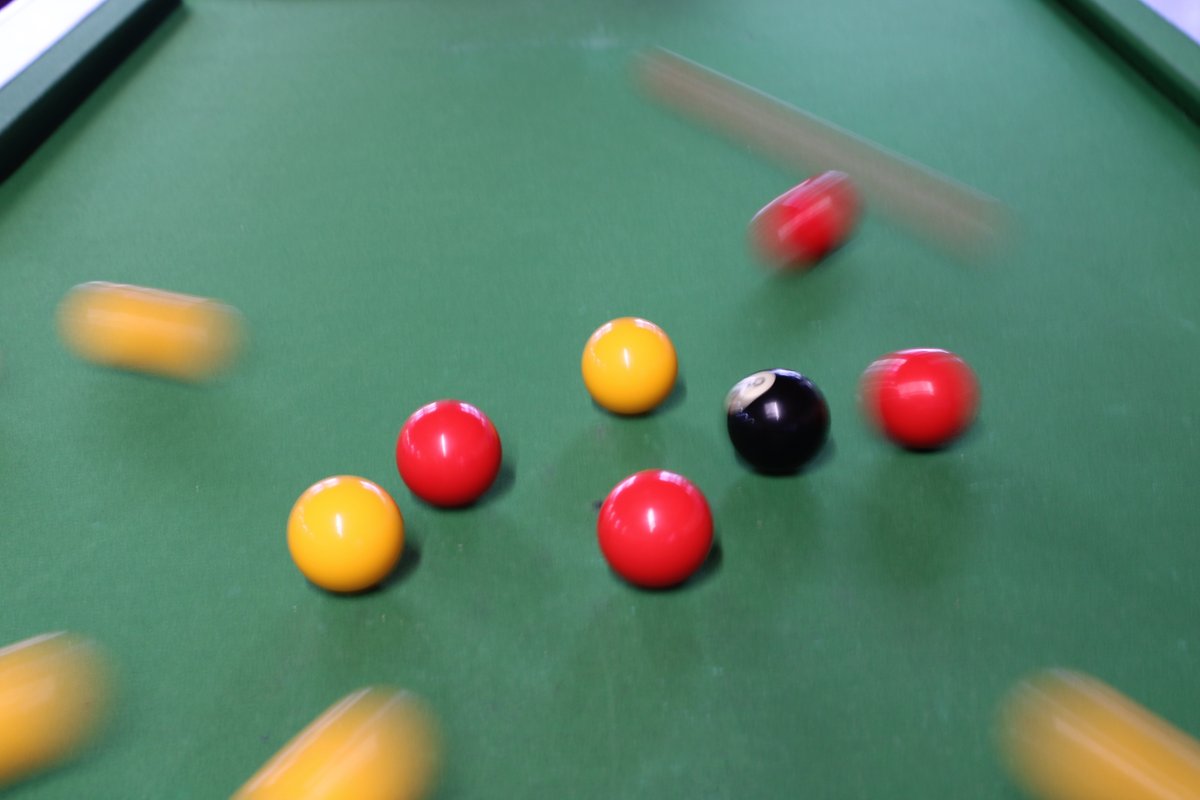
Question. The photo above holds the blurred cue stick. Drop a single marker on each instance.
(953, 217)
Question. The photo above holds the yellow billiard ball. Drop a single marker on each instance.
(1067, 736)
(374, 744)
(629, 365)
(148, 330)
(54, 692)
(345, 533)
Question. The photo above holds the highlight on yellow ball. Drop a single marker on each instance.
(54, 695)
(629, 365)
(1068, 736)
(374, 744)
(148, 330)
(345, 533)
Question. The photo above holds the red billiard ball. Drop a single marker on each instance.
(807, 222)
(448, 453)
(921, 399)
(655, 529)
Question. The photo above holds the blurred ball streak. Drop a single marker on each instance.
(374, 744)
(955, 218)
(1067, 736)
(54, 696)
(147, 330)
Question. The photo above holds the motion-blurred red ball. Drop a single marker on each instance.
(922, 398)
(807, 222)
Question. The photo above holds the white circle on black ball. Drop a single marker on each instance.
(747, 390)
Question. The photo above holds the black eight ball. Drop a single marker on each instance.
(778, 420)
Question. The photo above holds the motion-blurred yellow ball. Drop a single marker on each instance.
(345, 533)
(54, 692)
(148, 330)
(629, 365)
(1068, 736)
(375, 744)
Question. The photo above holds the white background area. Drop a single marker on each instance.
(29, 28)
(1183, 14)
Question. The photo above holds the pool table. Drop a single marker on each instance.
(416, 200)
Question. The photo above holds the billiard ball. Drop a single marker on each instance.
(777, 420)
(629, 366)
(147, 330)
(345, 534)
(922, 398)
(1068, 736)
(54, 695)
(373, 744)
(448, 453)
(808, 222)
(655, 529)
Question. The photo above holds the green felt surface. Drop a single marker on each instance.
(414, 200)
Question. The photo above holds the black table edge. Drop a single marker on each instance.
(44, 95)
